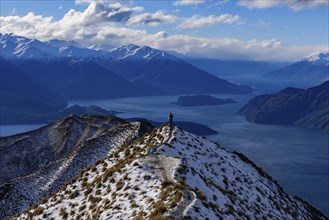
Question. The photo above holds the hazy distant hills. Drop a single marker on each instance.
(308, 108)
(312, 68)
(95, 167)
(235, 67)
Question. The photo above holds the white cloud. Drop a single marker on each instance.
(76, 25)
(188, 2)
(293, 4)
(228, 48)
(60, 7)
(198, 21)
(98, 13)
(97, 24)
(152, 19)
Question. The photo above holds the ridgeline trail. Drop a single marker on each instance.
(165, 168)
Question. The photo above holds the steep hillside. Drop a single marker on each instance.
(22, 93)
(172, 175)
(25, 153)
(312, 68)
(79, 79)
(307, 108)
(54, 154)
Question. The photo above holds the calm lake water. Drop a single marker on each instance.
(297, 158)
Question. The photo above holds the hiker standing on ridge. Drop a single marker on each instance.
(170, 119)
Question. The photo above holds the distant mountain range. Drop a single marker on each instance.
(307, 108)
(17, 47)
(58, 71)
(154, 70)
(97, 167)
(312, 68)
(151, 68)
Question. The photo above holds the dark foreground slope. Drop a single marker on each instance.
(167, 174)
(308, 108)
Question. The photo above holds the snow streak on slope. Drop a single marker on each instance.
(171, 175)
(133, 52)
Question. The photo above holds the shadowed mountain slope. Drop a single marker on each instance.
(308, 108)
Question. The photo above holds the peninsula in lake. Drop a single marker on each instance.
(201, 100)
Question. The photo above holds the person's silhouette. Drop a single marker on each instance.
(170, 118)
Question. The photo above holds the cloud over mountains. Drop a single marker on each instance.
(114, 23)
(198, 21)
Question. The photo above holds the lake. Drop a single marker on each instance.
(298, 158)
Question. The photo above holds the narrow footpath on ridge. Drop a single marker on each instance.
(165, 168)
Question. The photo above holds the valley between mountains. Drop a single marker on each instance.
(102, 167)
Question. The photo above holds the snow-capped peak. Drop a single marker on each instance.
(98, 47)
(61, 43)
(24, 48)
(13, 47)
(318, 59)
(133, 52)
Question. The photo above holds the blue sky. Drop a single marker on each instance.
(226, 29)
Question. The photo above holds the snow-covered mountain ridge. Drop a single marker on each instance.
(172, 174)
(83, 140)
(133, 52)
(31, 151)
(318, 59)
(313, 68)
(16, 47)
